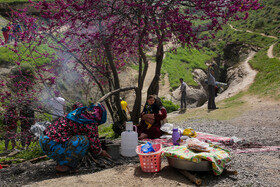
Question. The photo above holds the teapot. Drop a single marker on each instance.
(176, 135)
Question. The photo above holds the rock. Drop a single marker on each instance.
(196, 95)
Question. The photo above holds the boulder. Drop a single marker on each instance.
(196, 95)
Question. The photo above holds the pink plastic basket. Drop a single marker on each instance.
(150, 162)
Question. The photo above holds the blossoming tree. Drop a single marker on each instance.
(100, 37)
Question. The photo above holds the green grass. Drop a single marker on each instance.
(8, 56)
(230, 35)
(182, 62)
(276, 50)
(265, 20)
(267, 80)
(33, 151)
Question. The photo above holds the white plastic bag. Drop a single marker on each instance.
(38, 128)
(197, 145)
(167, 127)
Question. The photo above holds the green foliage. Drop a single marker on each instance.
(8, 56)
(230, 35)
(276, 50)
(105, 130)
(259, 24)
(182, 62)
(169, 105)
(267, 80)
(33, 151)
(265, 20)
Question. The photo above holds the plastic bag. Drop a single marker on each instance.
(197, 145)
(167, 127)
(189, 132)
(38, 128)
(147, 148)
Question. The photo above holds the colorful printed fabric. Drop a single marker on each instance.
(218, 156)
(67, 153)
(63, 129)
(86, 115)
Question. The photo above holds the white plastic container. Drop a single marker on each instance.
(129, 140)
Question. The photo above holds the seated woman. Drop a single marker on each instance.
(154, 131)
(68, 139)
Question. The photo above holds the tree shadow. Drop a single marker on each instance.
(182, 111)
(168, 172)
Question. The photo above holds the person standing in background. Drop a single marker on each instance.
(183, 92)
(211, 88)
(57, 105)
(124, 107)
(6, 31)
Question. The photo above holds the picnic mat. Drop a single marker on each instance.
(200, 136)
(257, 149)
(218, 156)
(213, 138)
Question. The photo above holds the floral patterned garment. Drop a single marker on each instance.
(63, 129)
(218, 156)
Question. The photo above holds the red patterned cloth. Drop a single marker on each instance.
(62, 129)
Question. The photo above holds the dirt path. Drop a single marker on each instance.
(240, 84)
(269, 36)
(164, 86)
(237, 86)
(270, 51)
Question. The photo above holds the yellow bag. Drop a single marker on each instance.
(189, 132)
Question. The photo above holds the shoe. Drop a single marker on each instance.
(62, 168)
(213, 108)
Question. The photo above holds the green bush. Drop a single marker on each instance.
(169, 105)
(106, 130)
(259, 24)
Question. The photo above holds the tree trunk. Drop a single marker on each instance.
(154, 86)
(135, 115)
(118, 115)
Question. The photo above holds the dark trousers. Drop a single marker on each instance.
(211, 101)
(183, 100)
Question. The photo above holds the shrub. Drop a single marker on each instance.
(259, 24)
(169, 105)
